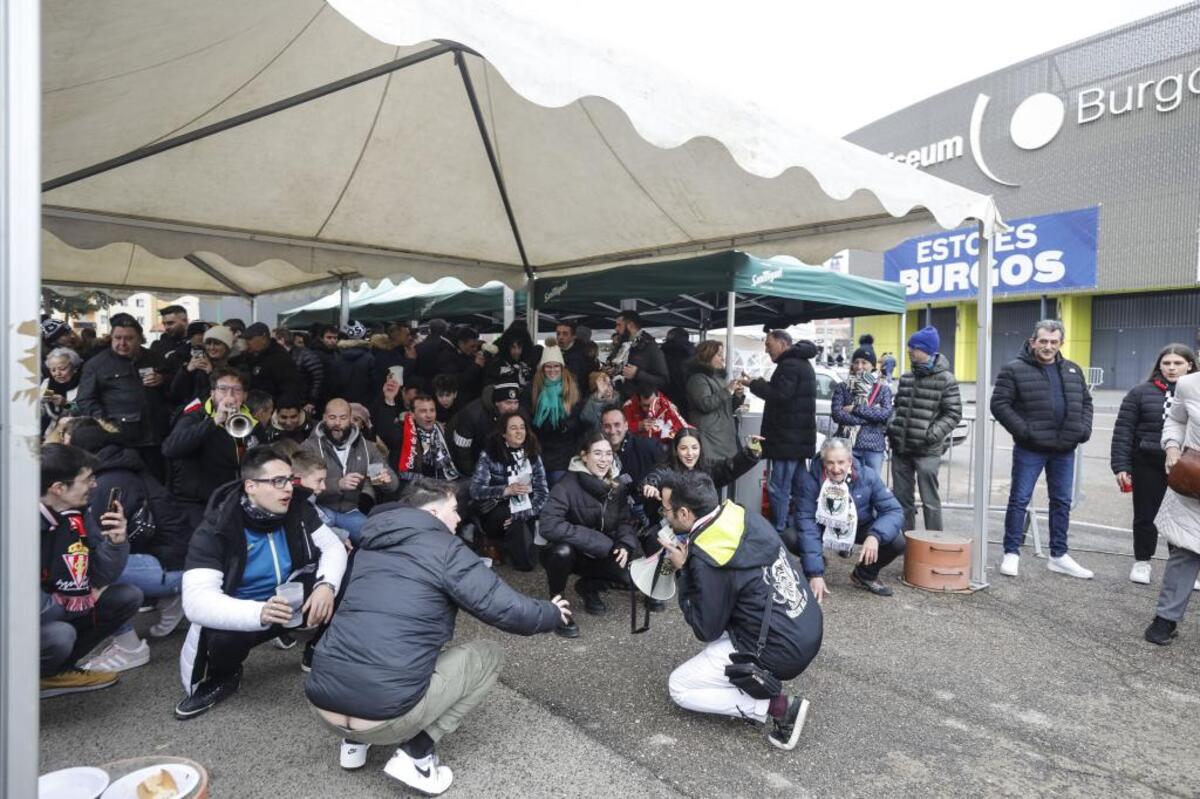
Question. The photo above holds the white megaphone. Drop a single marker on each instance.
(652, 575)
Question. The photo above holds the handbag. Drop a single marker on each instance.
(1184, 477)
(748, 674)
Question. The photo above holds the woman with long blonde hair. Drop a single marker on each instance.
(555, 411)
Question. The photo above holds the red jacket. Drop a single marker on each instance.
(662, 410)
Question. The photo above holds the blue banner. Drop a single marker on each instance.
(1038, 255)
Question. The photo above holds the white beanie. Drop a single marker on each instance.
(220, 333)
(550, 355)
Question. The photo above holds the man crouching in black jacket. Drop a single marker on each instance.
(379, 674)
(732, 572)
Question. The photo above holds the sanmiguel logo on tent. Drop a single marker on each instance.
(768, 275)
(557, 290)
(1040, 254)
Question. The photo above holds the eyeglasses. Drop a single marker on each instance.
(228, 389)
(281, 482)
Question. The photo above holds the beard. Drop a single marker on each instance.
(338, 436)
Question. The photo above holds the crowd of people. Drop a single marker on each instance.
(363, 484)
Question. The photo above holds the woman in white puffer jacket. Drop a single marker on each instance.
(1178, 519)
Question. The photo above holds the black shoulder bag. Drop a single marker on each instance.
(748, 674)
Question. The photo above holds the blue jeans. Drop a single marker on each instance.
(782, 484)
(145, 572)
(871, 459)
(1027, 466)
(351, 521)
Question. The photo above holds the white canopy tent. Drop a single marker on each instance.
(270, 144)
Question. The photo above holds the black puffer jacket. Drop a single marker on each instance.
(154, 523)
(789, 420)
(407, 580)
(678, 354)
(588, 513)
(927, 408)
(1138, 430)
(272, 371)
(1021, 402)
(350, 376)
(312, 373)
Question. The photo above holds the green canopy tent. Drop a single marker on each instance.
(448, 298)
(695, 293)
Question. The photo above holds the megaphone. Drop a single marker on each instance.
(652, 575)
(239, 425)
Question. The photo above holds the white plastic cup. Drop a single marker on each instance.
(374, 470)
(145, 372)
(293, 594)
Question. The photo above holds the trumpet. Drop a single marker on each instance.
(239, 425)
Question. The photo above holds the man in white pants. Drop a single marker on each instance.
(743, 596)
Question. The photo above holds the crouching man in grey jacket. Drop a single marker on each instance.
(379, 674)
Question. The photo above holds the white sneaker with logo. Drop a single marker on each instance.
(117, 658)
(1067, 565)
(425, 775)
(1011, 564)
(1140, 573)
(353, 754)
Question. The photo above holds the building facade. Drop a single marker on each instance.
(1092, 152)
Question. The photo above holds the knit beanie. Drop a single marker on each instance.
(926, 340)
(550, 355)
(866, 349)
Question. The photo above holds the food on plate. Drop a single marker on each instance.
(158, 786)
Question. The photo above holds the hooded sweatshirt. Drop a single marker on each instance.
(737, 569)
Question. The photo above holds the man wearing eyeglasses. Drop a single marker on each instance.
(201, 453)
(256, 536)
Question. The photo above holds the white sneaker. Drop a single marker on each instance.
(1196, 586)
(1067, 565)
(353, 754)
(425, 775)
(170, 613)
(1140, 573)
(117, 658)
(1011, 564)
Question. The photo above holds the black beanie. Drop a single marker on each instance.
(865, 350)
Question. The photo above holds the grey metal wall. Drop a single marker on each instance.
(946, 322)
(1128, 331)
(1141, 167)
(1012, 322)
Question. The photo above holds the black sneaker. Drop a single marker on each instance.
(209, 693)
(656, 605)
(1160, 631)
(589, 592)
(306, 660)
(568, 630)
(785, 731)
(875, 586)
(284, 641)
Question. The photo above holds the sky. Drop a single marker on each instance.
(847, 63)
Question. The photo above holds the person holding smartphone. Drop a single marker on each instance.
(81, 558)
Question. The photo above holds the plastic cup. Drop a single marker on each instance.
(145, 372)
(293, 594)
(374, 470)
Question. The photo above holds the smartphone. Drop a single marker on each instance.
(197, 352)
(114, 496)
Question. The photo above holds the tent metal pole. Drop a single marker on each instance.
(492, 159)
(253, 310)
(510, 306)
(248, 116)
(531, 314)
(902, 348)
(20, 303)
(208, 269)
(344, 306)
(983, 430)
(730, 323)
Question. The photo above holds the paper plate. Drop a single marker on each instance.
(81, 782)
(186, 778)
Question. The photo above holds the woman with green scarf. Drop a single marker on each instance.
(555, 407)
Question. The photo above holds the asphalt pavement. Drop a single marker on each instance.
(1036, 686)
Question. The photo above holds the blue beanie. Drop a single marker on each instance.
(926, 340)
